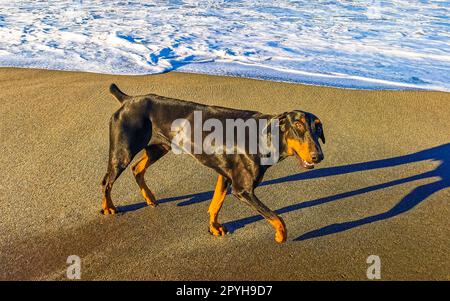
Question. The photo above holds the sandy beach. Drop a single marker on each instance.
(383, 188)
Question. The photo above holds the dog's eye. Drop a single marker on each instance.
(298, 125)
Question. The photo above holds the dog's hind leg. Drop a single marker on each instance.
(151, 154)
(128, 136)
(216, 203)
(114, 171)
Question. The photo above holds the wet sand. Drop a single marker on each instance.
(382, 189)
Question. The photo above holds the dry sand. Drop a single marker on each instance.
(54, 146)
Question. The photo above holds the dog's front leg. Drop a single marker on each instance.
(277, 222)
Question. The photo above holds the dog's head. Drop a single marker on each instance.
(300, 133)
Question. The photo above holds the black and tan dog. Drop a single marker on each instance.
(144, 123)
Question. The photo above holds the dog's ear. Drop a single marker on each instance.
(320, 128)
(322, 136)
(282, 120)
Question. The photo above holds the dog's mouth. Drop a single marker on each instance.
(303, 163)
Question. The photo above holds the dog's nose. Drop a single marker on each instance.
(316, 157)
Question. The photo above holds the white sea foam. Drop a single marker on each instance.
(370, 44)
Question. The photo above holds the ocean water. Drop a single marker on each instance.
(399, 44)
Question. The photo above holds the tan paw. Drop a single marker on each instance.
(152, 203)
(149, 197)
(217, 229)
(109, 210)
(280, 236)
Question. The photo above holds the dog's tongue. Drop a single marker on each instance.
(303, 163)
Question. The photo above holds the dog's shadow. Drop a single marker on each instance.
(440, 154)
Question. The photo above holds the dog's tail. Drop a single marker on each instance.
(114, 90)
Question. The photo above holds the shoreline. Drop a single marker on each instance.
(307, 80)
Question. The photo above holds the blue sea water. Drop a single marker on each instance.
(373, 44)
